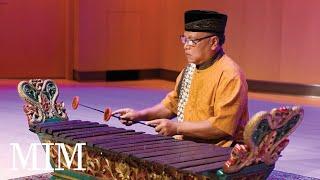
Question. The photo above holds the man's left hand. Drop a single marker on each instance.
(165, 127)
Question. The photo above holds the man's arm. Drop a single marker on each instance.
(202, 129)
(158, 111)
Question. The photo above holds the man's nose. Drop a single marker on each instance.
(185, 46)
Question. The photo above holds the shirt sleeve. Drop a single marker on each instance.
(172, 98)
(229, 103)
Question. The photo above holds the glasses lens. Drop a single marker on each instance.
(190, 43)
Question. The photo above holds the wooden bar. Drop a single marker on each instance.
(172, 146)
(152, 147)
(141, 144)
(179, 156)
(56, 125)
(69, 127)
(205, 168)
(120, 133)
(133, 141)
(94, 140)
(76, 131)
(188, 157)
(198, 162)
(37, 127)
(91, 133)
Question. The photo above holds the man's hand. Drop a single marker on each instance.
(127, 115)
(164, 127)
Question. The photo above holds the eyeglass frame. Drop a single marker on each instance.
(194, 41)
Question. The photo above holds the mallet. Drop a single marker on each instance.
(107, 113)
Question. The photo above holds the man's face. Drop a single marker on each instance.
(199, 51)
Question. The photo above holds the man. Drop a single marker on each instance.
(210, 96)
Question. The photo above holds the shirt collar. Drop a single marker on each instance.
(211, 61)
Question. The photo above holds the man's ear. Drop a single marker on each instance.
(214, 42)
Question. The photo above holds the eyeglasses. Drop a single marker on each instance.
(192, 42)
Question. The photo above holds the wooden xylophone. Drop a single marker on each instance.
(141, 154)
(117, 153)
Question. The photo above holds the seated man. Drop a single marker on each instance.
(210, 96)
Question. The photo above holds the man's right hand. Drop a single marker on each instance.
(127, 115)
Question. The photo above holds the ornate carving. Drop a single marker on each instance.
(40, 96)
(265, 136)
(100, 166)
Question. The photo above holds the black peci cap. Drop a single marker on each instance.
(205, 21)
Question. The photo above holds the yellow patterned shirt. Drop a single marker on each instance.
(218, 93)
